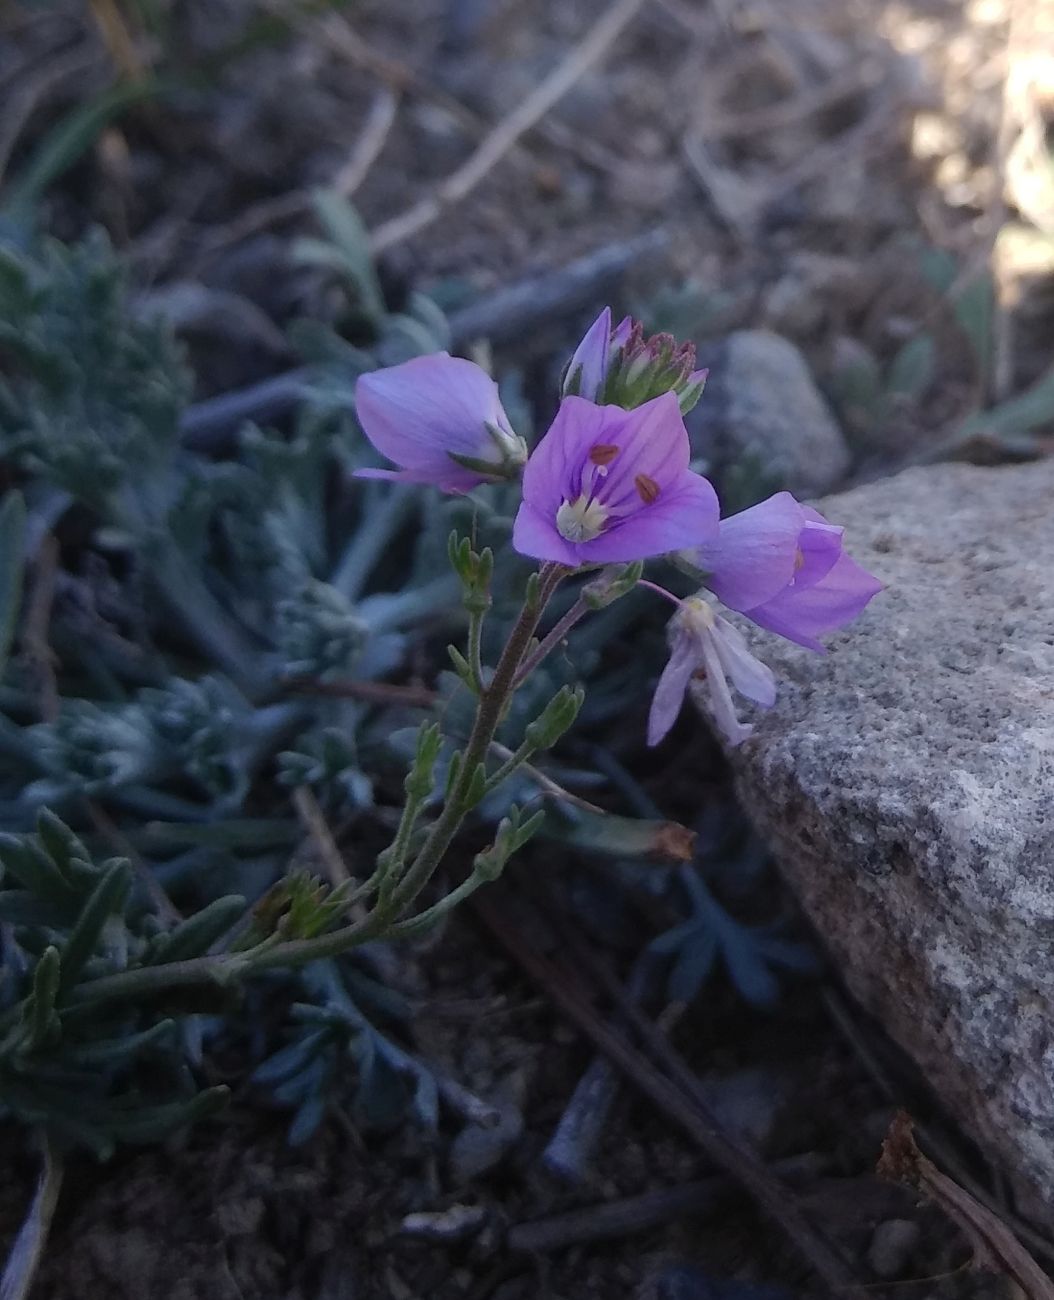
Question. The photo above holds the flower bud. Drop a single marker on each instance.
(621, 367)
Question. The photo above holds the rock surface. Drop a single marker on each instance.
(906, 784)
(763, 413)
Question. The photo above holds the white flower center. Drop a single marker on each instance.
(696, 615)
(581, 520)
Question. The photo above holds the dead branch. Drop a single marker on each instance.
(683, 1105)
(593, 46)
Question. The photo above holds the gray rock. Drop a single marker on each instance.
(891, 1245)
(763, 415)
(906, 783)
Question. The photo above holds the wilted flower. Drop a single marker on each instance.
(782, 565)
(706, 646)
(607, 485)
(621, 367)
(440, 419)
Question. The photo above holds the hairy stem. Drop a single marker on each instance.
(489, 711)
(552, 639)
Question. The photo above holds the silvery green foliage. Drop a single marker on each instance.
(239, 574)
(91, 1076)
(87, 391)
(328, 761)
(335, 1051)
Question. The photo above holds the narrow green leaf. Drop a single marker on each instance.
(68, 140)
(60, 842)
(38, 1012)
(911, 370)
(196, 935)
(1029, 410)
(106, 899)
(346, 229)
(36, 870)
(152, 1123)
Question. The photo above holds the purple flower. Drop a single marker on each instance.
(706, 646)
(441, 420)
(607, 485)
(782, 565)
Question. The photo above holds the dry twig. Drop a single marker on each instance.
(677, 1096)
(346, 180)
(995, 1247)
(593, 46)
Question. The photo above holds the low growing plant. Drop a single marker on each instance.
(230, 629)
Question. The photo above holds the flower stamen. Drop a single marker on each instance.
(581, 520)
(647, 488)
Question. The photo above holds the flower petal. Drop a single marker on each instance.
(418, 412)
(652, 442)
(749, 675)
(721, 704)
(553, 471)
(454, 479)
(804, 615)
(669, 690)
(684, 516)
(591, 358)
(536, 535)
(755, 552)
(820, 544)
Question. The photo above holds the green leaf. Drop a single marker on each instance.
(68, 140)
(34, 868)
(107, 898)
(351, 240)
(108, 1051)
(620, 837)
(38, 1011)
(1029, 410)
(196, 935)
(151, 1123)
(974, 309)
(59, 841)
(911, 370)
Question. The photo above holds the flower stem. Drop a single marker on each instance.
(489, 712)
(552, 639)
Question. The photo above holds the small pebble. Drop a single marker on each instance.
(891, 1247)
(452, 1224)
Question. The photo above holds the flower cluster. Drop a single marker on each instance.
(611, 482)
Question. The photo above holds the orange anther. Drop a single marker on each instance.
(647, 487)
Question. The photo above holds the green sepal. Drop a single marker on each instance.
(556, 718)
(463, 668)
(477, 787)
(512, 834)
